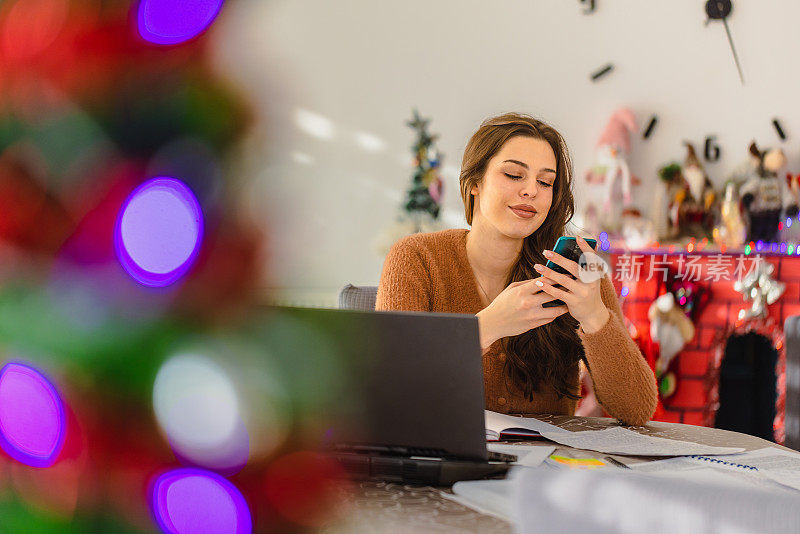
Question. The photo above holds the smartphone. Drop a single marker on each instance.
(567, 247)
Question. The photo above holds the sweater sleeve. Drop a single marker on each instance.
(405, 283)
(624, 384)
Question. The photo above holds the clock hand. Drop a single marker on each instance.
(720, 10)
(733, 49)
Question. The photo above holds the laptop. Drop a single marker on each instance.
(412, 403)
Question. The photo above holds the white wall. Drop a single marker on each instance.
(363, 64)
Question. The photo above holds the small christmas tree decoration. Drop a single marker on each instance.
(425, 194)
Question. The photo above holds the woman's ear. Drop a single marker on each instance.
(474, 190)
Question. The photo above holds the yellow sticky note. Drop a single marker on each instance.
(580, 463)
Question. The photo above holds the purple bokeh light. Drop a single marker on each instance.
(170, 22)
(159, 231)
(192, 500)
(32, 419)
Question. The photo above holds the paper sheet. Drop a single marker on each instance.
(618, 440)
(492, 497)
(527, 455)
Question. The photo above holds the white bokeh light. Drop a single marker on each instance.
(369, 142)
(314, 124)
(195, 403)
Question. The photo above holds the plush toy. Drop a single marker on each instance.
(613, 146)
(764, 195)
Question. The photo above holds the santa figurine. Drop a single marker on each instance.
(671, 328)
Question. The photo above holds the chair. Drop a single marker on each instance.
(791, 330)
(358, 297)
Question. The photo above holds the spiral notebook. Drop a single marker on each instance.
(722, 463)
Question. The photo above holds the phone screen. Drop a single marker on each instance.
(567, 247)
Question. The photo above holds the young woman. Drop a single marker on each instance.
(516, 184)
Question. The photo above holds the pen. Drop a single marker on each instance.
(616, 462)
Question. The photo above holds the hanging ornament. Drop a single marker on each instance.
(760, 288)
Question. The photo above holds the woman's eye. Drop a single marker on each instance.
(512, 176)
(546, 184)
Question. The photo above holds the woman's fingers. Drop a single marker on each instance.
(571, 267)
(548, 287)
(557, 277)
(583, 245)
(551, 315)
(557, 311)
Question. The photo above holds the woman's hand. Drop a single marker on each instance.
(582, 297)
(517, 309)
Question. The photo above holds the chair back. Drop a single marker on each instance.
(358, 297)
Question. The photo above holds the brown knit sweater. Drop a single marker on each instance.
(431, 272)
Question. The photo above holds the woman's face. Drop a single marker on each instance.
(517, 190)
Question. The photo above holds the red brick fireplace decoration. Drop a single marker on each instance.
(696, 364)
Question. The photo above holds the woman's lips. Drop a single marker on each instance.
(523, 213)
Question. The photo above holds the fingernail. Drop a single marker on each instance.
(539, 283)
(538, 266)
(547, 253)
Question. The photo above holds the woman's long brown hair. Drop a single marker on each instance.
(550, 353)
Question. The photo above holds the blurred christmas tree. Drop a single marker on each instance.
(93, 103)
(425, 195)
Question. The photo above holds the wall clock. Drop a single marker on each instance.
(716, 11)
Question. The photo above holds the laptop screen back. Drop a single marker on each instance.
(408, 381)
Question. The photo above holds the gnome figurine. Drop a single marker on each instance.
(696, 216)
(613, 146)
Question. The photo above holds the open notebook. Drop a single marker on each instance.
(610, 440)
(501, 427)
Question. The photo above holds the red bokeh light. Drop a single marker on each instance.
(305, 488)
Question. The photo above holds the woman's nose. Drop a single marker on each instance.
(531, 189)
